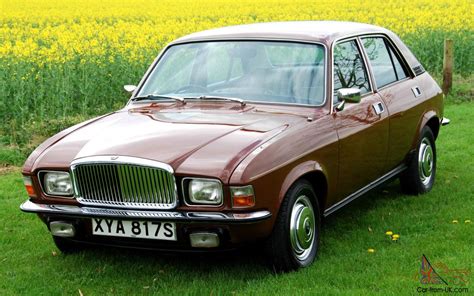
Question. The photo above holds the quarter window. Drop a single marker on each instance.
(349, 69)
(386, 66)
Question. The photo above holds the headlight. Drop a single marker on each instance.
(57, 183)
(204, 191)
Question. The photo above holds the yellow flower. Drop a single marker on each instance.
(395, 237)
(388, 232)
(54, 34)
(371, 250)
(467, 221)
(455, 221)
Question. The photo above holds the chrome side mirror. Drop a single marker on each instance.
(349, 95)
(129, 88)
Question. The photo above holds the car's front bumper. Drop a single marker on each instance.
(233, 229)
(76, 211)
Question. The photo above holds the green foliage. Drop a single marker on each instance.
(11, 156)
(428, 47)
(462, 90)
(32, 94)
(44, 99)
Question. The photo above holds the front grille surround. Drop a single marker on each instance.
(124, 182)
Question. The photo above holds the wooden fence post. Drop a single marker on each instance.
(448, 66)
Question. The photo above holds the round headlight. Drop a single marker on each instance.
(57, 183)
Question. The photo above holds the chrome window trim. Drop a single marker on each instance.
(368, 72)
(295, 40)
(367, 66)
(119, 159)
(361, 35)
(393, 83)
(397, 53)
(40, 181)
(186, 197)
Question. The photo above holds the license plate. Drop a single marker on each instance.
(134, 228)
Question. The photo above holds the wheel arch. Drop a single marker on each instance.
(312, 172)
(431, 119)
(434, 125)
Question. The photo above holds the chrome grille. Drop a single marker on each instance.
(124, 185)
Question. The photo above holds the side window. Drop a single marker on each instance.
(386, 65)
(349, 69)
(399, 69)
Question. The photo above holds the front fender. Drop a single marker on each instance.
(296, 173)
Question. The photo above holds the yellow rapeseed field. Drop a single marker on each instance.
(58, 30)
(62, 61)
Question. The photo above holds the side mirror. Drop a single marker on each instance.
(129, 88)
(349, 95)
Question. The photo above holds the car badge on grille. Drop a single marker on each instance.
(114, 158)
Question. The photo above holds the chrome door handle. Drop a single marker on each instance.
(416, 91)
(378, 107)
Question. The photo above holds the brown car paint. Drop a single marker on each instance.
(269, 146)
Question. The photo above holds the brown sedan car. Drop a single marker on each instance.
(243, 134)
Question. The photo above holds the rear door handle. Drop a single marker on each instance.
(378, 108)
(416, 91)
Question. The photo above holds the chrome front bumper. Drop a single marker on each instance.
(445, 121)
(249, 217)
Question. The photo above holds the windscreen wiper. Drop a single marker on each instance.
(155, 97)
(242, 102)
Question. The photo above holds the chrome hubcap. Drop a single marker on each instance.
(425, 161)
(302, 227)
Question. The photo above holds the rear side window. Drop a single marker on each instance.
(386, 65)
(349, 69)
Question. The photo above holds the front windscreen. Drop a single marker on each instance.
(277, 72)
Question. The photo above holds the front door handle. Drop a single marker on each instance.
(379, 108)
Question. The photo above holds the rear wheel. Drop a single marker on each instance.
(421, 172)
(294, 242)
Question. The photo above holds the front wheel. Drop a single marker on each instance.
(294, 242)
(421, 172)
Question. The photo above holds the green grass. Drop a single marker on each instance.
(30, 263)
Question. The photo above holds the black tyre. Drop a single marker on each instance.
(294, 242)
(66, 246)
(420, 175)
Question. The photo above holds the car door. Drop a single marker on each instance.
(363, 128)
(401, 94)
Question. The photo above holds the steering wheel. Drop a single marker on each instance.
(191, 87)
